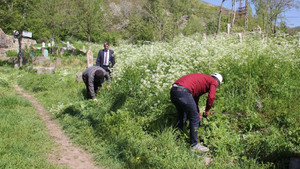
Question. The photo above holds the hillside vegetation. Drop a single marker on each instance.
(101, 20)
(132, 125)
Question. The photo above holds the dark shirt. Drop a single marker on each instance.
(89, 74)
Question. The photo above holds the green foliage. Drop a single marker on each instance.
(140, 30)
(194, 24)
(97, 21)
(211, 27)
(156, 20)
(110, 37)
(131, 126)
(11, 53)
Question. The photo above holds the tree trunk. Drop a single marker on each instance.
(234, 13)
(264, 29)
(274, 26)
(247, 15)
(89, 35)
(174, 30)
(160, 30)
(268, 13)
(20, 58)
(220, 15)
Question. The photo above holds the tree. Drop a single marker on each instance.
(89, 15)
(155, 10)
(17, 18)
(234, 12)
(52, 15)
(261, 7)
(178, 8)
(220, 15)
(140, 29)
(247, 13)
(279, 6)
(269, 10)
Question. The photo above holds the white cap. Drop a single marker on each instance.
(218, 76)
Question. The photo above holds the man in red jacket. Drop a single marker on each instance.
(185, 93)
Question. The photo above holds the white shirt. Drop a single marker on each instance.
(106, 58)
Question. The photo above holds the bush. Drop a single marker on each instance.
(12, 53)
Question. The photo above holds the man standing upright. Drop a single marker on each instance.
(185, 93)
(106, 58)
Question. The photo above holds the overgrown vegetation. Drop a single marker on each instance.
(131, 126)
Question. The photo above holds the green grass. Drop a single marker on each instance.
(131, 126)
(24, 142)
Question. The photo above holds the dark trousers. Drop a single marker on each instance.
(106, 68)
(97, 85)
(187, 109)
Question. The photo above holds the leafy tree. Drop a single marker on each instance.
(17, 17)
(52, 15)
(140, 29)
(261, 12)
(155, 10)
(194, 24)
(89, 15)
(10, 13)
(269, 10)
(178, 8)
(279, 6)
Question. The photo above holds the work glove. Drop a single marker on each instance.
(108, 87)
(205, 114)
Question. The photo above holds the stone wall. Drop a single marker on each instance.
(8, 42)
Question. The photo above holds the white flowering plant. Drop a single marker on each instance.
(133, 124)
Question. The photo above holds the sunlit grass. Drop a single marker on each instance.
(131, 126)
(24, 142)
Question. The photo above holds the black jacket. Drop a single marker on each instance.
(100, 59)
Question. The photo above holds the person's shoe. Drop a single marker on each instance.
(199, 147)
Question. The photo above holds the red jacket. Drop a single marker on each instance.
(199, 84)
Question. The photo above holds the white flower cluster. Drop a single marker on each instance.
(57, 108)
(163, 63)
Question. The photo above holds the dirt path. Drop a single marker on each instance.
(66, 153)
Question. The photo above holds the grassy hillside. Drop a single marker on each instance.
(132, 125)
